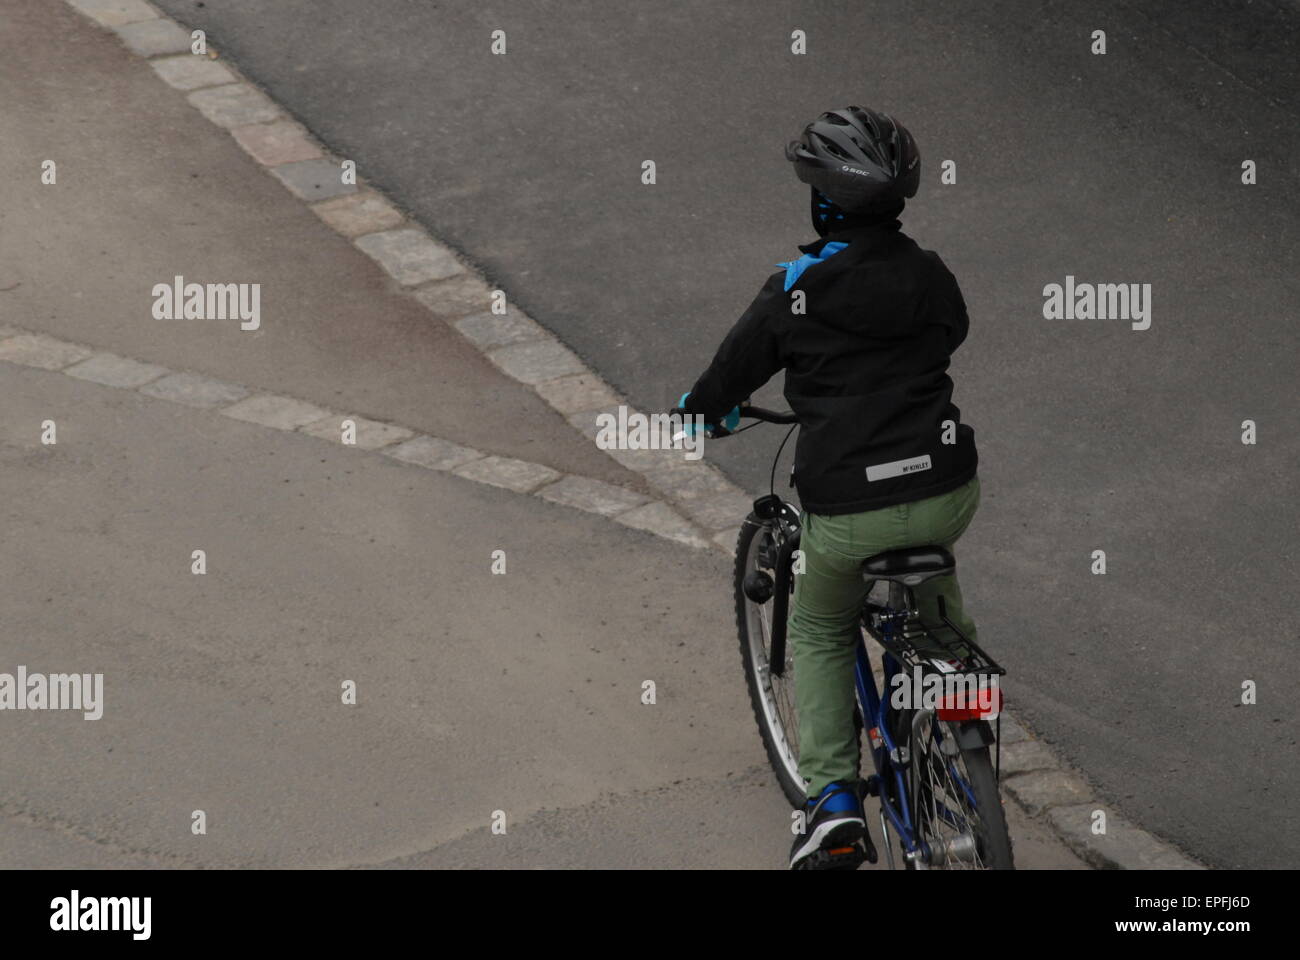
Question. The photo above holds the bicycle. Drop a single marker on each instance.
(934, 778)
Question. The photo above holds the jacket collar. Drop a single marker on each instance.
(870, 234)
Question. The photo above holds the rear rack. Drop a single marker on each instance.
(900, 632)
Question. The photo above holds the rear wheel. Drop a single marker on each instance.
(959, 816)
(771, 696)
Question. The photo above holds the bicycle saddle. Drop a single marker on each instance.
(911, 566)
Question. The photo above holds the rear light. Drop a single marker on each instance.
(982, 704)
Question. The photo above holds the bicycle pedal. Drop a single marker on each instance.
(848, 857)
(870, 852)
(828, 860)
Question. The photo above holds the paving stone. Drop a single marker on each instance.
(594, 496)
(270, 410)
(1122, 847)
(588, 423)
(576, 393)
(190, 71)
(370, 434)
(195, 390)
(115, 13)
(719, 512)
(487, 330)
(727, 540)
(432, 453)
(114, 371)
(275, 143)
(647, 461)
(517, 475)
(1039, 790)
(1026, 755)
(361, 213)
(661, 520)
(409, 256)
(537, 361)
(680, 478)
(38, 350)
(234, 105)
(456, 297)
(153, 38)
(317, 179)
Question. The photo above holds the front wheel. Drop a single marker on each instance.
(771, 696)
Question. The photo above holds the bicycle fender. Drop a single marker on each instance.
(781, 602)
(974, 734)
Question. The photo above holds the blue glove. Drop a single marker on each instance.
(731, 421)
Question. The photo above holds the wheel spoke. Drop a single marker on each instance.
(951, 822)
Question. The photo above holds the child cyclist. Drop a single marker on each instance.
(864, 324)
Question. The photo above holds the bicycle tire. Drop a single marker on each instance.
(999, 854)
(991, 837)
(781, 745)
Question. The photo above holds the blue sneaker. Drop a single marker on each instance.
(835, 831)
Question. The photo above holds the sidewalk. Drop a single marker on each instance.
(475, 692)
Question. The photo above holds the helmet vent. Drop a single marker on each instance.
(834, 150)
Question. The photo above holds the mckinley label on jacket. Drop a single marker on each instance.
(883, 471)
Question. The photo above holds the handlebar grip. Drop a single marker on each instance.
(768, 416)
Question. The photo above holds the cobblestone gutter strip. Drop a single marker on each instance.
(699, 506)
(292, 415)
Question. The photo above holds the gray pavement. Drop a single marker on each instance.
(475, 692)
(1121, 168)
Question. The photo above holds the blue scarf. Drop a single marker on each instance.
(795, 268)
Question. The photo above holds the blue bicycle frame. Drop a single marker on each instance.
(883, 756)
(877, 711)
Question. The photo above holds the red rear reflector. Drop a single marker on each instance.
(983, 704)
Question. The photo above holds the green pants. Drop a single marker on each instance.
(828, 598)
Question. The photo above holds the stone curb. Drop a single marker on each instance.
(292, 415)
(1122, 847)
(1047, 789)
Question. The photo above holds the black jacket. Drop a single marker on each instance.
(866, 371)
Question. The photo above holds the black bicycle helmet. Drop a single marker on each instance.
(859, 159)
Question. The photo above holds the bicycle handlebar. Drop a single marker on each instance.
(746, 410)
(767, 416)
